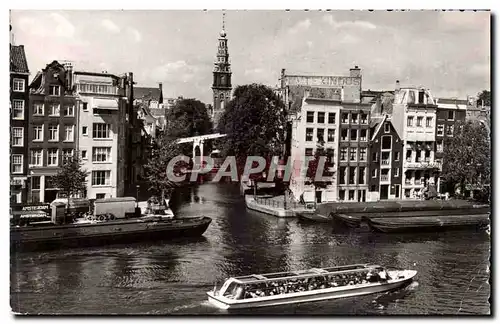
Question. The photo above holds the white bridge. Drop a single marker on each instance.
(198, 141)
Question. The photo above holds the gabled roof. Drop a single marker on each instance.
(379, 122)
(18, 62)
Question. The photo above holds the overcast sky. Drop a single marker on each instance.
(448, 52)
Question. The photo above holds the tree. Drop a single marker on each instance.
(484, 98)
(164, 150)
(71, 179)
(254, 121)
(189, 117)
(467, 156)
(319, 180)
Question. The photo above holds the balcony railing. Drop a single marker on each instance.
(423, 165)
(385, 162)
(384, 177)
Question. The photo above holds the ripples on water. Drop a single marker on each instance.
(173, 277)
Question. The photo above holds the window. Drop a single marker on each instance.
(35, 182)
(387, 128)
(351, 195)
(408, 155)
(38, 109)
(85, 131)
(362, 154)
(55, 90)
(17, 136)
(101, 130)
(331, 135)
(449, 130)
(309, 151)
(396, 172)
(309, 134)
(374, 173)
(439, 146)
(373, 188)
(330, 153)
(36, 157)
(418, 156)
(18, 85)
(101, 154)
(17, 109)
(354, 118)
(68, 133)
(440, 130)
(54, 133)
(396, 156)
(409, 121)
(342, 194)
(17, 163)
(352, 154)
(343, 154)
(363, 135)
(37, 133)
(451, 115)
(52, 157)
(419, 121)
(85, 106)
(67, 155)
(343, 135)
(100, 196)
(331, 118)
(386, 142)
(54, 110)
(69, 110)
(101, 178)
(84, 154)
(320, 135)
(354, 134)
(352, 175)
(321, 117)
(310, 117)
(364, 119)
(374, 157)
(342, 175)
(428, 122)
(345, 118)
(362, 174)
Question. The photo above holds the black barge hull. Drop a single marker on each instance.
(106, 233)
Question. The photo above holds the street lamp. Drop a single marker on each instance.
(137, 194)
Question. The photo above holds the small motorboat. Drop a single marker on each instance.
(306, 286)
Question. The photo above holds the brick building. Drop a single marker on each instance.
(19, 122)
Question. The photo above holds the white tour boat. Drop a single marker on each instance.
(307, 285)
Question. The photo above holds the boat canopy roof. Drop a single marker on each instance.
(314, 272)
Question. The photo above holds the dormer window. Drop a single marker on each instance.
(55, 90)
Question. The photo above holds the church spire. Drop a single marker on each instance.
(221, 86)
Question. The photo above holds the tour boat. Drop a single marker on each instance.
(306, 286)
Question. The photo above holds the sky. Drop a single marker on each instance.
(447, 52)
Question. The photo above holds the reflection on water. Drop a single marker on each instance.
(173, 277)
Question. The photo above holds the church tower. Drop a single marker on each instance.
(222, 76)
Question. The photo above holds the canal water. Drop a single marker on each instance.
(173, 277)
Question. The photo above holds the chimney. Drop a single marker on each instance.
(355, 72)
(160, 86)
(282, 78)
(397, 85)
(69, 75)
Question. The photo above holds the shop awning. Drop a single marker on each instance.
(105, 104)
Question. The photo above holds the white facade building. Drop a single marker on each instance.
(102, 133)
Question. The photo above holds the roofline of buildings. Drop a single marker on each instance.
(96, 74)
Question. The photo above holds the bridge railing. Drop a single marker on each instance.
(277, 203)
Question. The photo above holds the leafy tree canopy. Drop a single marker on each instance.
(484, 98)
(467, 156)
(254, 121)
(71, 179)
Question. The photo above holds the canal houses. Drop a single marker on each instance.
(414, 117)
(386, 148)
(52, 132)
(19, 122)
(103, 132)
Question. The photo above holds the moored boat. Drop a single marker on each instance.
(428, 223)
(312, 216)
(306, 286)
(95, 233)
